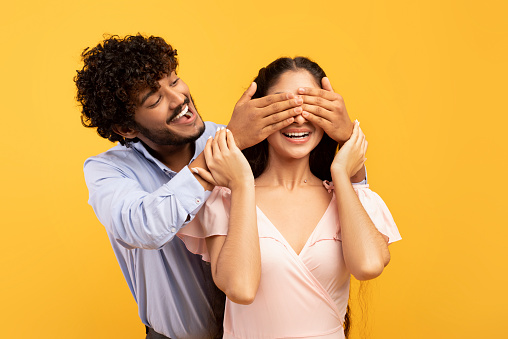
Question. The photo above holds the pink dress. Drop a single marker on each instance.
(300, 295)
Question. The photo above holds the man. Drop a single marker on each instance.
(142, 190)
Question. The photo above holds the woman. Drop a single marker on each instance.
(281, 239)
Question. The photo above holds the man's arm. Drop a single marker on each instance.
(137, 218)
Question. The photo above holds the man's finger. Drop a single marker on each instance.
(282, 100)
(269, 129)
(328, 95)
(275, 118)
(319, 111)
(325, 82)
(318, 120)
(247, 95)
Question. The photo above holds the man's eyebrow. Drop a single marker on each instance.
(147, 95)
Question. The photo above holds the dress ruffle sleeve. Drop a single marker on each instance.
(212, 219)
(376, 209)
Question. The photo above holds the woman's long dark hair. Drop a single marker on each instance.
(322, 155)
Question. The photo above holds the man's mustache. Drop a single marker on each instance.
(178, 109)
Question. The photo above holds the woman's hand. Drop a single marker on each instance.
(351, 156)
(227, 164)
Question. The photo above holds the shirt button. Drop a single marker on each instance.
(198, 201)
(173, 229)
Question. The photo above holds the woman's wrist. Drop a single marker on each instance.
(340, 177)
(242, 184)
(338, 170)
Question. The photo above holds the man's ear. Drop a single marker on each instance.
(125, 132)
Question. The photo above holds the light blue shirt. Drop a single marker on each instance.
(143, 204)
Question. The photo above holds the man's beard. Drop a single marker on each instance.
(164, 137)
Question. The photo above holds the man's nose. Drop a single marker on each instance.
(176, 98)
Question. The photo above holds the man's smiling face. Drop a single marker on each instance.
(168, 115)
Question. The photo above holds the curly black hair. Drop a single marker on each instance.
(114, 73)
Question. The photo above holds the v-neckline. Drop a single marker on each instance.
(311, 234)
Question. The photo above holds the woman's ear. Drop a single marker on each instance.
(125, 132)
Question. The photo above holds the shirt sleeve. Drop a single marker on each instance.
(364, 181)
(378, 212)
(136, 218)
(212, 219)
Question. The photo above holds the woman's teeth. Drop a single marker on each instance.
(297, 135)
(184, 111)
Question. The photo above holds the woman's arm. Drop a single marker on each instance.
(235, 258)
(365, 249)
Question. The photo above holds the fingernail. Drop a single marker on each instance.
(222, 128)
(298, 110)
(218, 129)
(299, 101)
(305, 114)
(290, 96)
(195, 170)
(301, 90)
(210, 137)
(227, 130)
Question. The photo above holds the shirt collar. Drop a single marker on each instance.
(140, 147)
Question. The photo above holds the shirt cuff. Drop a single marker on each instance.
(364, 181)
(188, 191)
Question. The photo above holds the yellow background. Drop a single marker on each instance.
(427, 80)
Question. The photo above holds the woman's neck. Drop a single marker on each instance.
(287, 173)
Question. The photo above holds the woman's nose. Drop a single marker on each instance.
(299, 119)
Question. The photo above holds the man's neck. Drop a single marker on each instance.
(175, 157)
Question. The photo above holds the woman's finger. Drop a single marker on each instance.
(230, 140)
(208, 151)
(354, 135)
(215, 145)
(361, 136)
(223, 146)
(365, 144)
(206, 175)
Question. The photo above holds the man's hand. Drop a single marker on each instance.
(255, 119)
(326, 109)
